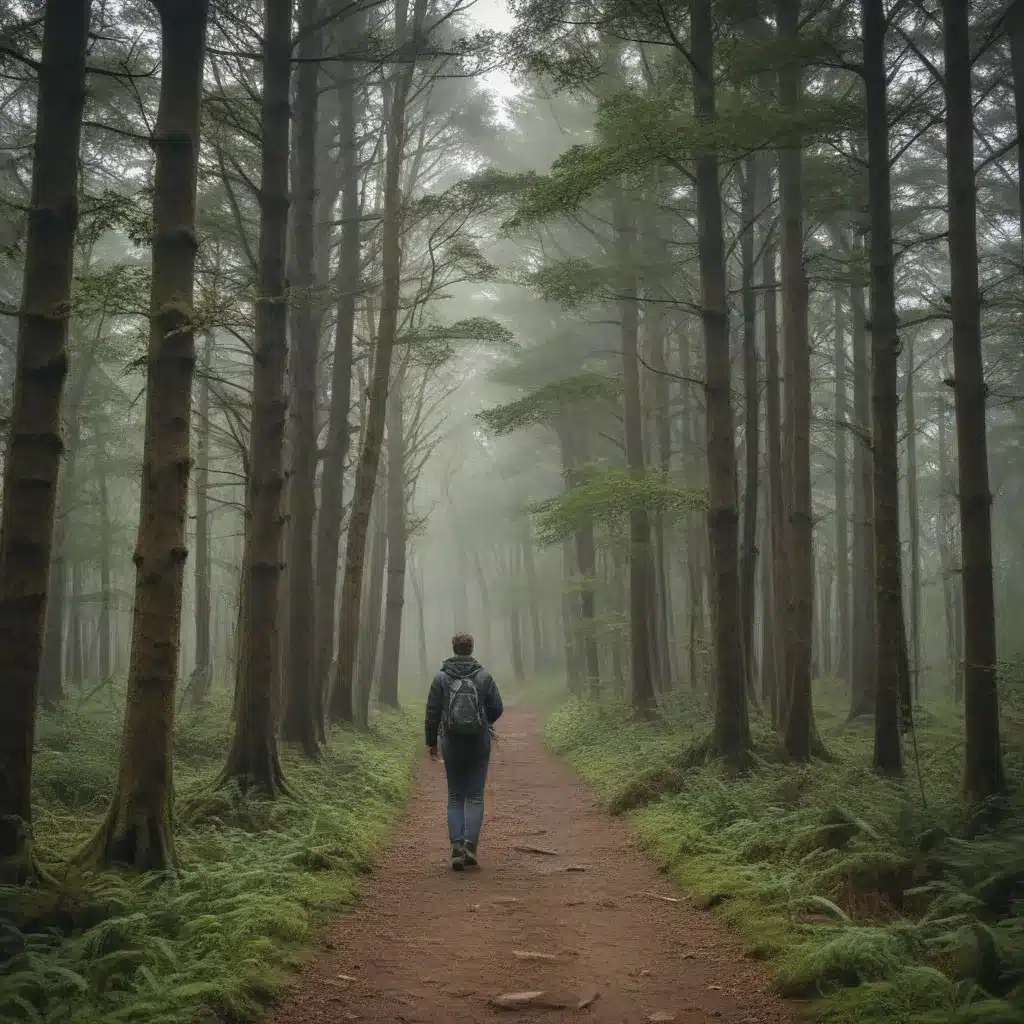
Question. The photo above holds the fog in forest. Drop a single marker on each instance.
(671, 349)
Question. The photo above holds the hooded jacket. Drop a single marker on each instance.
(458, 667)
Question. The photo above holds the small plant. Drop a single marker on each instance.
(858, 895)
(258, 875)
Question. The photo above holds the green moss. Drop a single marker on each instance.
(258, 876)
(859, 896)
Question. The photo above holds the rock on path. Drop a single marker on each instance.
(576, 928)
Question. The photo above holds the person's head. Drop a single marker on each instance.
(462, 644)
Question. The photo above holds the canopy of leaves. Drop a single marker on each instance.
(548, 403)
(606, 496)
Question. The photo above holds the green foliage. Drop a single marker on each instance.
(606, 496)
(639, 130)
(858, 896)
(434, 342)
(258, 876)
(546, 404)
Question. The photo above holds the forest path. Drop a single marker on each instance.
(426, 945)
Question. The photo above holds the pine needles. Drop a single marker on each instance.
(258, 876)
(859, 897)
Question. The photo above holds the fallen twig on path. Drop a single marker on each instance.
(658, 896)
(536, 849)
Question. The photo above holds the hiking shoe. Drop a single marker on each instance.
(469, 855)
(458, 857)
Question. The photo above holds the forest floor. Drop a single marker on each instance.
(563, 904)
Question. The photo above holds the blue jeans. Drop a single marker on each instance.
(466, 771)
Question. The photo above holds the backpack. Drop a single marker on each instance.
(464, 714)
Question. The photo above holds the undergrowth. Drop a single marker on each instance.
(860, 896)
(257, 876)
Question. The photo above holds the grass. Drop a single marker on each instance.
(860, 898)
(258, 876)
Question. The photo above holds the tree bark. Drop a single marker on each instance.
(914, 525)
(948, 559)
(338, 427)
(301, 720)
(774, 662)
(202, 673)
(731, 737)
(642, 693)
(842, 425)
(391, 286)
(863, 654)
(798, 720)
(105, 626)
(752, 438)
(137, 830)
(1015, 32)
(891, 659)
(253, 762)
(396, 544)
(371, 601)
(983, 764)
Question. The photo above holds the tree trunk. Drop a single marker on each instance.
(137, 830)
(1015, 31)
(515, 632)
(32, 461)
(774, 664)
(798, 720)
(76, 649)
(752, 439)
(731, 737)
(888, 756)
(371, 600)
(642, 694)
(106, 657)
(301, 720)
(338, 428)
(421, 629)
(948, 560)
(396, 544)
(369, 459)
(842, 425)
(202, 673)
(983, 768)
(253, 762)
(914, 525)
(863, 653)
(533, 595)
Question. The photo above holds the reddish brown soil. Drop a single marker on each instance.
(429, 945)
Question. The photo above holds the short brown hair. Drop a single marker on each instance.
(462, 643)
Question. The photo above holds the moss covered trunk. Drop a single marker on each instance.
(136, 831)
(32, 462)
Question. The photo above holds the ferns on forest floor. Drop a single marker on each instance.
(856, 893)
(258, 875)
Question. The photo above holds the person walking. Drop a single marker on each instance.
(462, 706)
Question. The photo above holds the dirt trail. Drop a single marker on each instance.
(428, 945)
